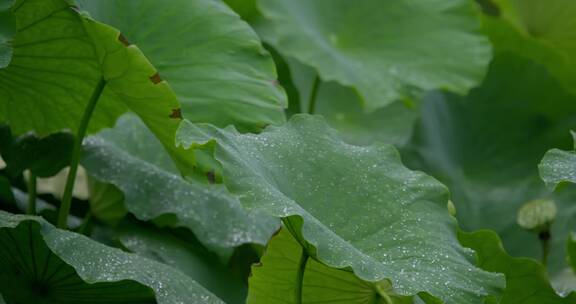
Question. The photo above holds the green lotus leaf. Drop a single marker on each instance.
(213, 60)
(342, 109)
(526, 279)
(7, 31)
(60, 57)
(558, 166)
(486, 147)
(98, 52)
(382, 49)
(357, 207)
(188, 257)
(53, 71)
(44, 157)
(541, 31)
(130, 158)
(274, 279)
(43, 264)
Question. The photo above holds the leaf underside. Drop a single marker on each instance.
(274, 279)
(43, 264)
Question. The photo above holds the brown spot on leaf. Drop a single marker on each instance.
(156, 79)
(176, 113)
(123, 39)
(275, 82)
(211, 176)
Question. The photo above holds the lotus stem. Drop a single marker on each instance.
(313, 95)
(545, 242)
(300, 276)
(76, 150)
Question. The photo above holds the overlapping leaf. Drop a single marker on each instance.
(130, 158)
(526, 279)
(382, 49)
(59, 58)
(43, 264)
(274, 279)
(558, 166)
(357, 207)
(212, 59)
(342, 109)
(486, 147)
(541, 31)
(38, 89)
(44, 157)
(189, 257)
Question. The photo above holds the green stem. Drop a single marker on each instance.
(313, 95)
(382, 290)
(545, 242)
(545, 253)
(300, 277)
(31, 208)
(387, 298)
(75, 160)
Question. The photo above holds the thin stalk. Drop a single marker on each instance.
(75, 160)
(382, 291)
(300, 276)
(386, 298)
(545, 242)
(313, 95)
(545, 252)
(31, 208)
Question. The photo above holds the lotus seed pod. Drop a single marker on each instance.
(537, 215)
